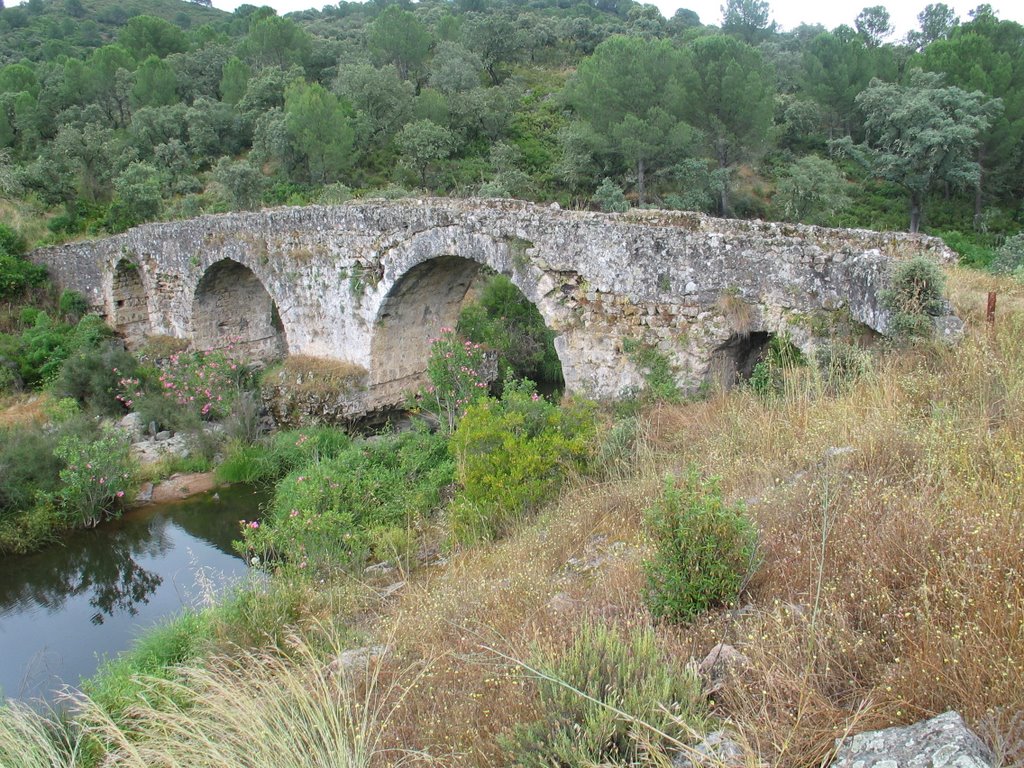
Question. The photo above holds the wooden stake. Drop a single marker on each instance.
(990, 310)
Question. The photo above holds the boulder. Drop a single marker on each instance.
(716, 750)
(942, 742)
(722, 663)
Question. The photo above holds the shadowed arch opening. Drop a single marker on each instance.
(428, 297)
(130, 304)
(733, 361)
(232, 309)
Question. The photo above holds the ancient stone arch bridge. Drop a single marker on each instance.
(371, 282)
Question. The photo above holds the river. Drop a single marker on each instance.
(63, 609)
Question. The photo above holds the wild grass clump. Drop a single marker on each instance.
(704, 549)
(307, 375)
(263, 709)
(605, 699)
(271, 459)
(31, 740)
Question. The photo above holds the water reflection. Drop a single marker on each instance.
(63, 608)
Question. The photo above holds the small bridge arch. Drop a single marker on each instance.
(232, 309)
(427, 281)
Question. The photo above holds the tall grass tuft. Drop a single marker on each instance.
(31, 740)
(290, 708)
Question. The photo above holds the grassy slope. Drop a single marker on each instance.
(890, 588)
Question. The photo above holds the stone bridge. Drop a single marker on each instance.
(371, 282)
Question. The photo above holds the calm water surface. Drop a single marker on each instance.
(64, 609)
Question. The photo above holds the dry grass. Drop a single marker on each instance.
(19, 410)
(305, 375)
(738, 313)
(890, 588)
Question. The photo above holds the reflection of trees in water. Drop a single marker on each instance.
(101, 563)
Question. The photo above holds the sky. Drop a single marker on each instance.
(788, 13)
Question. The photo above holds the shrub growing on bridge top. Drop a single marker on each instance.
(914, 296)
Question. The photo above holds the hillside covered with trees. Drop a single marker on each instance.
(112, 114)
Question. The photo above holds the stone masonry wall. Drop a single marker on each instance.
(370, 281)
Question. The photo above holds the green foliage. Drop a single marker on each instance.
(320, 128)
(512, 455)
(116, 686)
(913, 296)
(1009, 258)
(812, 191)
(331, 513)
(72, 305)
(16, 274)
(268, 461)
(508, 323)
(423, 144)
(97, 476)
(921, 134)
(92, 377)
(659, 378)
(593, 693)
(610, 198)
(967, 246)
(704, 549)
(769, 375)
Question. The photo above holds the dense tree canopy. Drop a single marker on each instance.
(112, 113)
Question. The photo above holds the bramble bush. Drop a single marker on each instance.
(704, 549)
(617, 668)
(512, 454)
(366, 500)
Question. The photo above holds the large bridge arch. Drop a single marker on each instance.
(129, 301)
(426, 282)
(232, 309)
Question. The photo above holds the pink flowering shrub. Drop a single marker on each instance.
(203, 384)
(97, 479)
(457, 380)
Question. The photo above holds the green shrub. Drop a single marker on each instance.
(914, 295)
(268, 461)
(703, 548)
(1009, 257)
(505, 321)
(97, 477)
(92, 377)
(16, 274)
(841, 366)
(769, 375)
(609, 197)
(582, 690)
(511, 455)
(971, 252)
(330, 513)
(73, 305)
(659, 378)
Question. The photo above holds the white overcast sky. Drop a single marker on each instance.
(788, 13)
